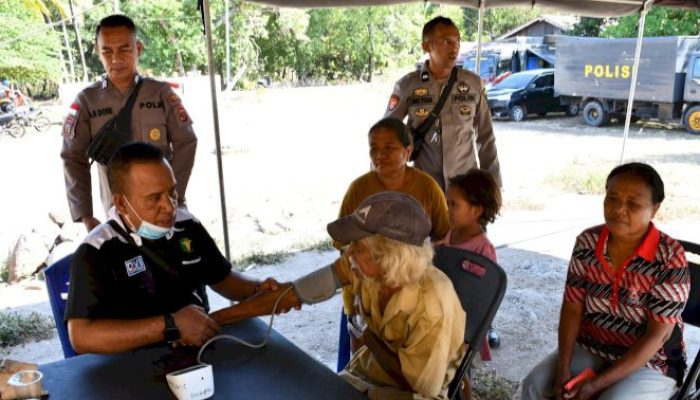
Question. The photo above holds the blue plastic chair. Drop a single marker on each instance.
(57, 279)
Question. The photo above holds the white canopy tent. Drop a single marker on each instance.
(591, 8)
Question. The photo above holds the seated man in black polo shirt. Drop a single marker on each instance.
(138, 278)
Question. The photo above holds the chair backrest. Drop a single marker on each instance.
(57, 279)
(480, 284)
(691, 315)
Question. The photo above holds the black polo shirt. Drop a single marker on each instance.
(113, 279)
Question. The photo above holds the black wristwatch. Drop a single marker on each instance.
(171, 332)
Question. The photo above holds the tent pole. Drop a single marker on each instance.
(635, 66)
(479, 30)
(215, 114)
(228, 45)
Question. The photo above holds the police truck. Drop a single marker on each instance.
(596, 73)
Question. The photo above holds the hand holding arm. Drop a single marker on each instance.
(116, 336)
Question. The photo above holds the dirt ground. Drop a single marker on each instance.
(289, 155)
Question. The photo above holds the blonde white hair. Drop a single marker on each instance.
(401, 263)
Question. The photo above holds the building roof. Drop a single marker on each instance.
(558, 21)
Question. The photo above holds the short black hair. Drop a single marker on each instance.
(646, 173)
(430, 26)
(479, 188)
(124, 157)
(115, 21)
(395, 125)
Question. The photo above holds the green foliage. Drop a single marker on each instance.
(322, 245)
(28, 59)
(487, 384)
(588, 27)
(16, 329)
(259, 258)
(660, 21)
(5, 269)
(327, 44)
(582, 177)
(353, 43)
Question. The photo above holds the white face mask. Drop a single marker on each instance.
(146, 230)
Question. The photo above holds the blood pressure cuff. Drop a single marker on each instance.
(317, 286)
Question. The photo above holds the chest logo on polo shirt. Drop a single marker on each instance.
(421, 112)
(421, 91)
(186, 245)
(135, 266)
(462, 87)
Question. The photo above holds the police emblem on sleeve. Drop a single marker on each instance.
(182, 114)
(393, 102)
(135, 266)
(68, 130)
(174, 99)
(154, 134)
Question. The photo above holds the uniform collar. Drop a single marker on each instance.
(425, 72)
(106, 82)
(646, 249)
(114, 215)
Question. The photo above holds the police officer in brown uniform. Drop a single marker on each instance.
(448, 149)
(158, 117)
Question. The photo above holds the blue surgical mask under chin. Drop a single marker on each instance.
(147, 230)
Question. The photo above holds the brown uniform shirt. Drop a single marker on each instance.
(465, 117)
(158, 117)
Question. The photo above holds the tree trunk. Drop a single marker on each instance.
(179, 64)
(71, 62)
(80, 43)
(370, 64)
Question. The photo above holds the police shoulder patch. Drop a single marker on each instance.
(68, 130)
(393, 102)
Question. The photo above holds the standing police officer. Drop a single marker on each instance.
(158, 117)
(448, 149)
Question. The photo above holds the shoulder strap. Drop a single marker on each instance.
(124, 116)
(132, 97)
(430, 119)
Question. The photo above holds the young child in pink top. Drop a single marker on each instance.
(473, 200)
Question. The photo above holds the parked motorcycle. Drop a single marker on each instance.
(9, 124)
(33, 117)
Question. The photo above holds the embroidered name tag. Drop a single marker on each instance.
(135, 266)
